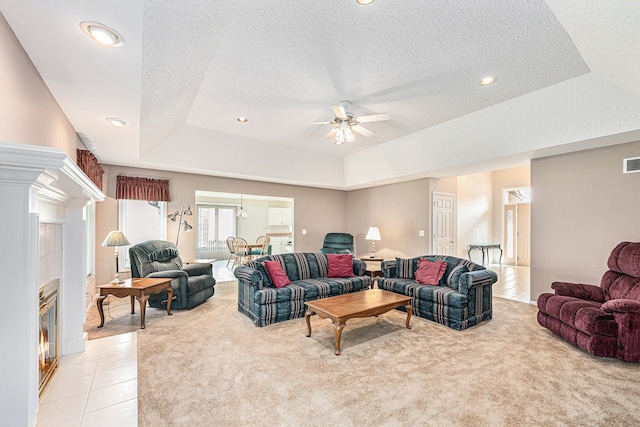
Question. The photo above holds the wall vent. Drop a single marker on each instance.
(631, 165)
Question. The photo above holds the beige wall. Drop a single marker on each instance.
(398, 210)
(29, 114)
(583, 205)
(401, 210)
(319, 211)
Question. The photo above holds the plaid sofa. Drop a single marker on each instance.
(265, 304)
(461, 300)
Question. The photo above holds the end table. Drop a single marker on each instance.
(139, 289)
(371, 271)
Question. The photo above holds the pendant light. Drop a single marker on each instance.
(241, 214)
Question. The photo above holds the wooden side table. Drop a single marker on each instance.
(139, 289)
(370, 271)
(198, 261)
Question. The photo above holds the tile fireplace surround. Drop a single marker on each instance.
(38, 185)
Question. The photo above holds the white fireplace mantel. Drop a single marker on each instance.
(37, 184)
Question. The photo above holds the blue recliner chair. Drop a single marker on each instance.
(337, 243)
(192, 284)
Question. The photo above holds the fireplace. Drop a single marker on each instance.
(48, 340)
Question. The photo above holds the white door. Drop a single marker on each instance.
(443, 224)
(517, 234)
(510, 240)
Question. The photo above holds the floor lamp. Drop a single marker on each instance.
(184, 210)
(116, 239)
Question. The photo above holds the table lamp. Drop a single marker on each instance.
(373, 235)
(115, 239)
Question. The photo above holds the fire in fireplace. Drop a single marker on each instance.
(48, 336)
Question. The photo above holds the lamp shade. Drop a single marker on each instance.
(115, 238)
(373, 234)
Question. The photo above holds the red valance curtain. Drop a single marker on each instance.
(133, 188)
(88, 163)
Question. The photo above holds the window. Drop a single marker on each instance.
(214, 224)
(140, 220)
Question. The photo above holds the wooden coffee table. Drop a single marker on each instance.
(139, 289)
(358, 304)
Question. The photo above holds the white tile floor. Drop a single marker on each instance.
(96, 388)
(513, 282)
(99, 388)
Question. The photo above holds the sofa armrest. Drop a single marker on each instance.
(388, 268)
(359, 267)
(198, 269)
(476, 278)
(621, 306)
(579, 290)
(249, 277)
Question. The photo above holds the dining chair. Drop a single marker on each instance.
(241, 249)
(263, 250)
(230, 242)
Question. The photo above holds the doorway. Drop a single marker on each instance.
(516, 228)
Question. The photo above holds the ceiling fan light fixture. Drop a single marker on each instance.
(364, 2)
(242, 119)
(344, 134)
(487, 81)
(102, 34)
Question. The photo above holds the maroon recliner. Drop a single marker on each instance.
(604, 320)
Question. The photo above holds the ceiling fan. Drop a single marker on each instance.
(344, 122)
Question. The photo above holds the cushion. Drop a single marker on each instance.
(405, 268)
(430, 272)
(278, 277)
(340, 265)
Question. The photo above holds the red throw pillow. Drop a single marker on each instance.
(430, 273)
(278, 277)
(340, 265)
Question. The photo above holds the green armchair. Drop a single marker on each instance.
(337, 243)
(192, 284)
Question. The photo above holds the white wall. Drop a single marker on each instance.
(475, 213)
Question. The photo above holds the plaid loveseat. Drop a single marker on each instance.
(462, 298)
(265, 304)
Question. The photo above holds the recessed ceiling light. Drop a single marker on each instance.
(117, 122)
(365, 2)
(102, 34)
(242, 119)
(487, 80)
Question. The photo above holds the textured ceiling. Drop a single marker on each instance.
(189, 69)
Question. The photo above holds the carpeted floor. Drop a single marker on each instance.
(211, 366)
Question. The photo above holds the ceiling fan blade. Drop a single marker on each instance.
(320, 123)
(373, 118)
(363, 130)
(339, 111)
(332, 133)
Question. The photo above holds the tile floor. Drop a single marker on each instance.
(96, 388)
(99, 388)
(513, 282)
